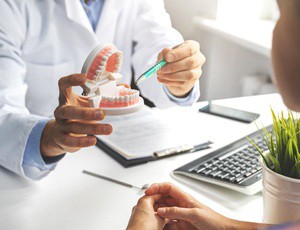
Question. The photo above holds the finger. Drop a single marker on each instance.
(175, 213)
(149, 199)
(82, 128)
(186, 75)
(163, 54)
(65, 84)
(192, 62)
(168, 189)
(178, 84)
(172, 225)
(76, 142)
(172, 83)
(75, 112)
(187, 49)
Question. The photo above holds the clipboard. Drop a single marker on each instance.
(150, 135)
(143, 160)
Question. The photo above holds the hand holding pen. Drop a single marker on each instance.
(179, 68)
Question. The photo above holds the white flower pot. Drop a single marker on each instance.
(281, 197)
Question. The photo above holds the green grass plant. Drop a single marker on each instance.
(283, 144)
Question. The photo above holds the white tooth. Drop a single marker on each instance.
(98, 72)
(110, 99)
(116, 99)
(105, 58)
(130, 98)
(126, 98)
(95, 78)
(122, 98)
(103, 63)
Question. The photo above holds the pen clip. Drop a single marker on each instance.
(181, 149)
(172, 151)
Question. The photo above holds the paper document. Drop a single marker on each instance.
(145, 132)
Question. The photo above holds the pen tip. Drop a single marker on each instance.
(139, 80)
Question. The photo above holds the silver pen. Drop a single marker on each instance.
(144, 187)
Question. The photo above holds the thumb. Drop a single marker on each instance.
(163, 53)
(176, 213)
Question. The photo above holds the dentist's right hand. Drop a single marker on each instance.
(74, 121)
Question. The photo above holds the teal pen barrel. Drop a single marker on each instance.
(155, 68)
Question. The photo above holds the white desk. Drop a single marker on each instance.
(68, 199)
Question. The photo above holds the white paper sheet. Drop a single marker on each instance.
(142, 134)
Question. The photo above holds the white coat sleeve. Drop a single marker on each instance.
(16, 122)
(152, 32)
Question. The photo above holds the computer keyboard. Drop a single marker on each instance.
(234, 166)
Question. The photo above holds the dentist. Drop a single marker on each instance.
(41, 41)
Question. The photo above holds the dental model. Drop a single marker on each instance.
(102, 68)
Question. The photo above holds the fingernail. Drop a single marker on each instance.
(98, 114)
(107, 129)
(170, 57)
(91, 141)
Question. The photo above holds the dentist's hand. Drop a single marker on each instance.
(183, 69)
(74, 121)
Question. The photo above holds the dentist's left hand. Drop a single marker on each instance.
(184, 67)
(74, 121)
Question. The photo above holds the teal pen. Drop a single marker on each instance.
(151, 71)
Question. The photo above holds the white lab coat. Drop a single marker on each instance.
(43, 40)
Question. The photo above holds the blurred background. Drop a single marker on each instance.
(235, 37)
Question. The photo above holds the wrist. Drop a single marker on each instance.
(241, 225)
(48, 147)
(179, 93)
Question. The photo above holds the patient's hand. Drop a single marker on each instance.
(185, 212)
(74, 121)
(144, 216)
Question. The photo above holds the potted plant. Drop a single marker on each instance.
(281, 169)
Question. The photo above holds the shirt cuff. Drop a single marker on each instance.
(191, 98)
(33, 164)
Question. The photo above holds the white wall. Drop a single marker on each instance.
(226, 62)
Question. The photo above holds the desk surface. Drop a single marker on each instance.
(68, 199)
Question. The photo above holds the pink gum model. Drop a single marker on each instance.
(102, 68)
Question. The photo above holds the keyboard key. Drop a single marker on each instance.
(239, 179)
(247, 174)
(232, 172)
(214, 174)
(220, 165)
(201, 170)
(224, 175)
(208, 164)
(232, 179)
(238, 175)
(207, 172)
(215, 161)
(254, 170)
(214, 168)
